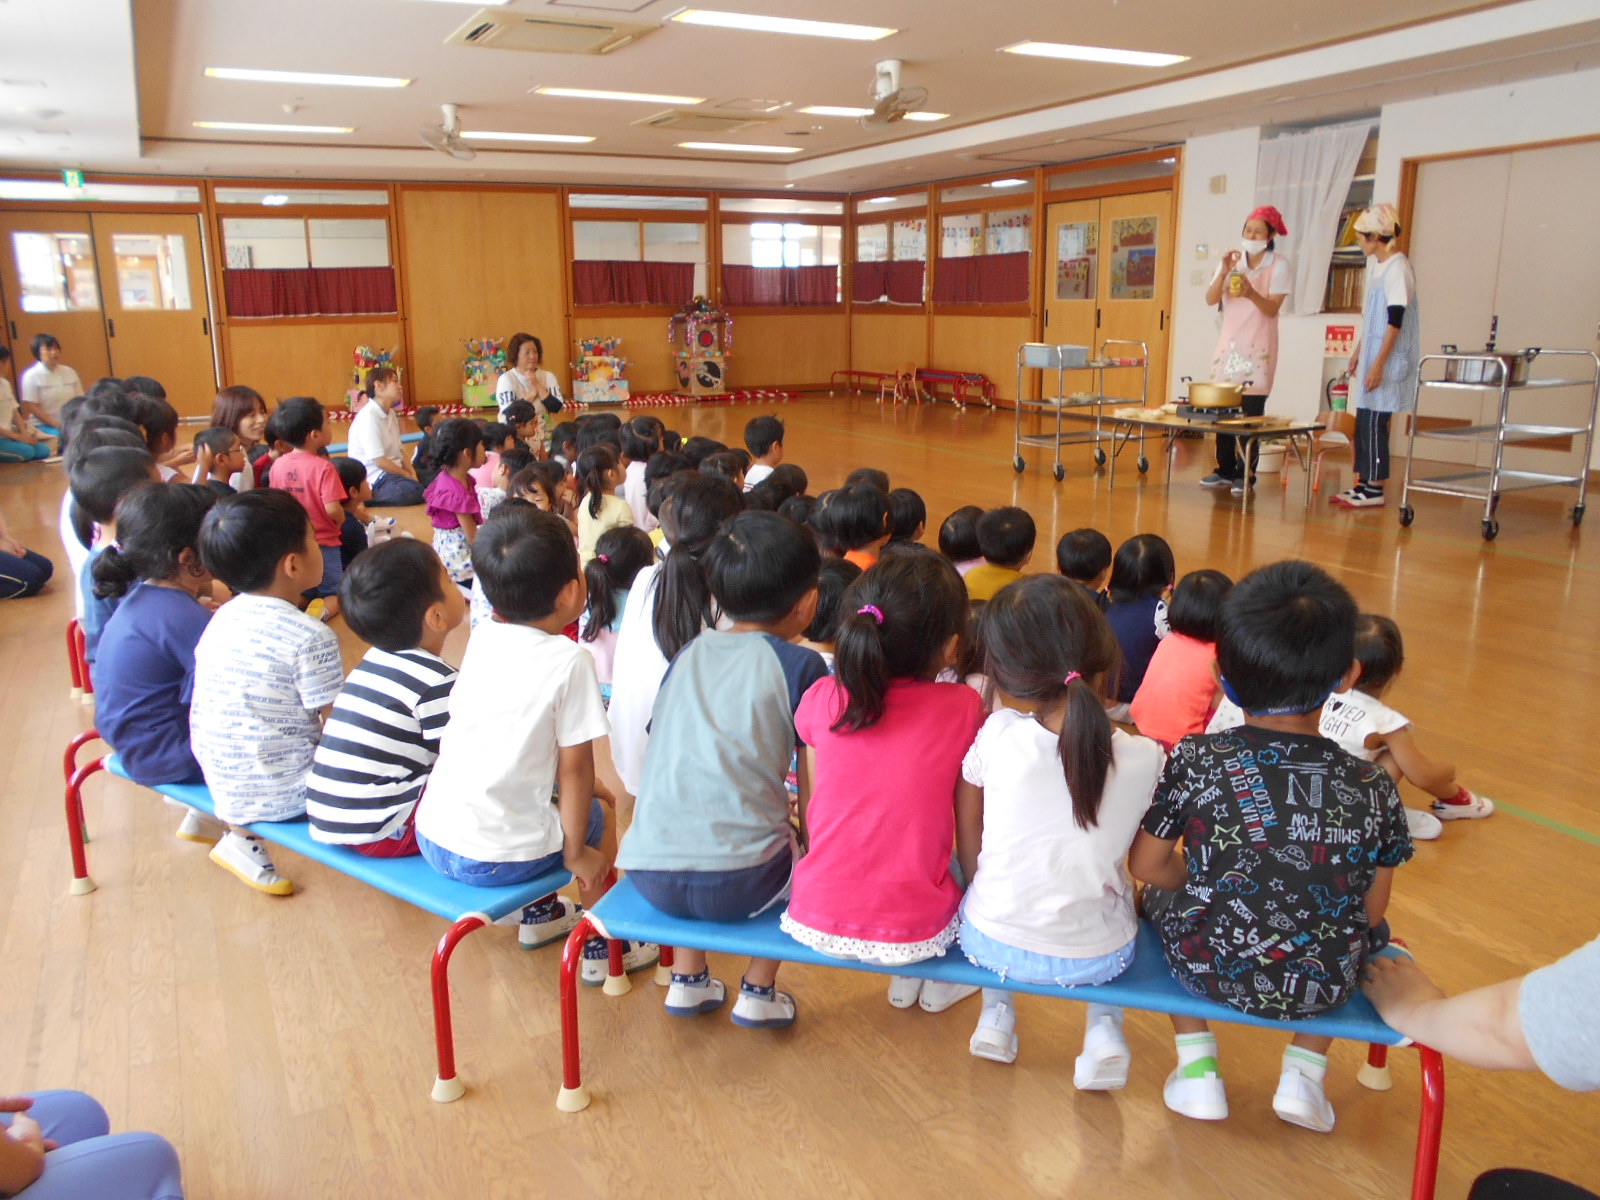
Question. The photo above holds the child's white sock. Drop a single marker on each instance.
(1104, 1012)
(1197, 1056)
(1309, 1063)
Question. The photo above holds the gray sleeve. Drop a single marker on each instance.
(1559, 1007)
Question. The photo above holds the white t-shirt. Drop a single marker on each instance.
(50, 389)
(1043, 884)
(636, 675)
(262, 670)
(1347, 718)
(374, 434)
(77, 552)
(521, 695)
(513, 386)
(756, 473)
(8, 409)
(635, 493)
(1395, 276)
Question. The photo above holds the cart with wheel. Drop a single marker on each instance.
(1046, 358)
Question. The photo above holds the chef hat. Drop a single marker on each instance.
(1380, 219)
(1272, 217)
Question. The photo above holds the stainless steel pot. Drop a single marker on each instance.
(1489, 367)
(1214, 395)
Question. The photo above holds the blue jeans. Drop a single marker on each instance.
(504, 874)
(25, 576)
(92, 1162)
(395, 490)
(718, 895)
(18, 452)
(332, 573)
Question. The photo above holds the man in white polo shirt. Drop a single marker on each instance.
(375, 442)
(47, 385)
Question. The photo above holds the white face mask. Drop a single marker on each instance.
(1253, 247)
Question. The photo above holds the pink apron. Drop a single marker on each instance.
(1247, 350)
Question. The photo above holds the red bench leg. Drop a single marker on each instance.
(80, 653)
(82, 885)
(73, 663)
(1425, 1175)
(1374, 1072)
(573, 1096)
(447, 1087)
(664, 968)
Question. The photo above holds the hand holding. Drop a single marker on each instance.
(1230, 260)
(1396, 986)
(588, 867)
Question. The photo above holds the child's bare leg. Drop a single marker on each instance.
(762, 972)
(687, 961)
(1307, 1041)
(1190, 1025)
(1387, 762)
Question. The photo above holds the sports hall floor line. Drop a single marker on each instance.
(1572, 831)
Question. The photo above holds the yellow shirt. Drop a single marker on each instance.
(985, 580)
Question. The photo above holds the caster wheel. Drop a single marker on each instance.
(1060, 472)
(1491, 530)
(1017, 464)
(1577, 515)
(1099, 457)
(1143, 464)
(1407, 514)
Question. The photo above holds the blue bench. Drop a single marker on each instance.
(410, 879)
(344, 447)
(1146, 985)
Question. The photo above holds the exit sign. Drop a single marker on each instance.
(73, 180)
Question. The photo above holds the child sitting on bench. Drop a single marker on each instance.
(711, 838)
(1290, 843)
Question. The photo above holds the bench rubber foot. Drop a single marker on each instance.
(446, 1090)
(618, 985)
(81, 887)
(74, 693)
(663, 976)
(571, 1100)
(1376, 1078)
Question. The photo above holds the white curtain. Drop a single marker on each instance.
(1307, 177)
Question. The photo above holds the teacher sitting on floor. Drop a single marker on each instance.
(526, 379)
(1250, 285)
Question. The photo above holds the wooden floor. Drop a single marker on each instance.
(285, 1045)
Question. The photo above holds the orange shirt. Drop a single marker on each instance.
(1178, 694)
(861, 558)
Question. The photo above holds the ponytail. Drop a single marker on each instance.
(591, 470)
(113, 574)
(620, 554)
(1085, 748)
(692, 516)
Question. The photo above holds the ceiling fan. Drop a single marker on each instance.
(890, 101)
(445, 137)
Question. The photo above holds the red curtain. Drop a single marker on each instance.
(901, 282)
(982, 279)
(632, 283)
(309, 292)
(780, 287)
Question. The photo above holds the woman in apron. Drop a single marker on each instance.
(1383, 365)
(1250, 285)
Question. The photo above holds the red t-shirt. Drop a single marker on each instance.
(314, 481)
(1178, 694)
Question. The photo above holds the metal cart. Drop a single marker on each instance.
(1489, 484)
(1044, 358)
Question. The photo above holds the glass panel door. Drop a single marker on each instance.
(50, 285)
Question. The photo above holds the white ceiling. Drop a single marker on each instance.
(1250, 65)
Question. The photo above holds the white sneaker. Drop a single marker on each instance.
(903, 991)
(1103, 1065)
(691, 999)
(545, 921)
(1424, 827)
(197, 827)
(995, 1038)
(1300, 1101)
(636, 956)
(247, 858)
(938, 996)
(1203, 1099)
(1474, 809)
(755, 1011)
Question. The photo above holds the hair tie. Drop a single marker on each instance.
(605, 558)
(115, 545)
(1071, 675)
(873, 611)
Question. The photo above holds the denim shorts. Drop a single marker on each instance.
(504, 874)
(1024, 966)
(718, 895)
(332, 573)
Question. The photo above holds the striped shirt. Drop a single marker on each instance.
(378, 746)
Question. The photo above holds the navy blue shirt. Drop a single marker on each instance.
(144, 679)
(1139, 626)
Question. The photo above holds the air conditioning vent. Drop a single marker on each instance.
(694, 120)
(496, 29)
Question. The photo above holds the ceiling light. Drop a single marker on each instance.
(252, 75)
(927, 116)
(742, 147)
(1005, 183)
(760, 24)
(833, 110)
(1100, 54)
(492, 135)
(882, 200)
(598, 94)
(481, 3)
(254, 127)
(276, 200)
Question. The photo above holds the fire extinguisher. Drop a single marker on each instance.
(1338, 392)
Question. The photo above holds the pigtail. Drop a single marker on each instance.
(861, 666)
(1085, 749)
(590, 471)
(683, 600)
(601, 609)
(114, 575)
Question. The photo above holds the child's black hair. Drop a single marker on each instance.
(524, 556)
(69, 416)
(958, 536)
(94, 433)
(662, 466)
(145, 386)
(725, 463)
(1196, 606)
(895, 623)
(297, 418)
(1379, 649)
(387, 590)
(837, 574)
(602, 420)
(1006, 536)
(1083, 555)
(1287, 638)
(694, 511)
(99, 478)
(451, 438)
(425, 416)
(562, 434)
(518, 412)
(619, 555)
(798, 509)
(593, 433)
(760, 566)
(156, 523)
(158, 419)
(791, 477)
(764, 497)
(850, 517)
(698, 447)
(494, 435)
(640, 439)
(272, 431)
(245, 537)
(1143, 566)
(593, 466)
(41, 342)
(352, 474)
(518, 458)
(908, 515)
(870, 476)
(1038, 633)
(219, 439)
(546, 476)
(761, 434)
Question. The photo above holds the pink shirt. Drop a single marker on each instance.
(314, 481)
(1178, 694)
(484, 476)
(447, 499)
(882, 813)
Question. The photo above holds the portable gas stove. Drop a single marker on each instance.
(1209, 414)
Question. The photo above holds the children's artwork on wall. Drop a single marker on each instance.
(598, 373)
(1077, 254)
(1133, 258)
(910, 241)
